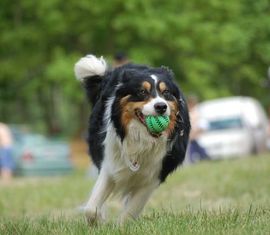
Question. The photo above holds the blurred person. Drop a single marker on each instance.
(269, 120)
(119, 59)
(6, 158)
(195, 150)
(268, 131)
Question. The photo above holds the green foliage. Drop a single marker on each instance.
(216, 48)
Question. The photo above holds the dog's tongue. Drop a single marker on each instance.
(142, 118)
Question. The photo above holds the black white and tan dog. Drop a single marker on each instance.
(132, 161)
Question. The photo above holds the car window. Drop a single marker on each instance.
(34, 139)
(226, 123)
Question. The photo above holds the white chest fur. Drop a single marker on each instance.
(138, 146)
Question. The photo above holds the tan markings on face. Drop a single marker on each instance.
(146, 86)
(174, 110)
(162, 86)
(128, 110)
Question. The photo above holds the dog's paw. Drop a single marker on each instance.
(93, 216)
(125, 218)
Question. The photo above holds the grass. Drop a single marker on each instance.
(221, 197)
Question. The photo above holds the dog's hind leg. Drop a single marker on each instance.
(101, 191)
(136, 202)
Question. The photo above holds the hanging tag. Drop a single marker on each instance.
(134, 166)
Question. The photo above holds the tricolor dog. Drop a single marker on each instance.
(132, 160)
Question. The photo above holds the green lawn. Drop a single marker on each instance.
(221, 197)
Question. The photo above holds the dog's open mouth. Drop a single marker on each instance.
(141, 118)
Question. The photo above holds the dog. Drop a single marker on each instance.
(132, 161)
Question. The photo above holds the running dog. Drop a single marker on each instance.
(132, 161)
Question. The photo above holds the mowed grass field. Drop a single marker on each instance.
(217, 197)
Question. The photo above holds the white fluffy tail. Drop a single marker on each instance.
(89, 66)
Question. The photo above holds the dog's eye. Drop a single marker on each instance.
(142, 92)
(166, 92)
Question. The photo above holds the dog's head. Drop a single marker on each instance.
(141, 91)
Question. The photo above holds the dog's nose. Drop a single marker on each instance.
(160, 107)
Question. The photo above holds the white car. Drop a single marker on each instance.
(236, 126)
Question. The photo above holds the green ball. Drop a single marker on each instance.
(157, 124)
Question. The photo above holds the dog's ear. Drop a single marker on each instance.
(128, 74)
(130, 71)
(167, 71)
(183, 117)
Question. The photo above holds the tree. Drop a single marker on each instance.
(215, 48)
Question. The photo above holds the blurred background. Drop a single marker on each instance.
(216, 49)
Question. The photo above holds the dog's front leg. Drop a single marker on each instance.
(136, 202)
(102, 189)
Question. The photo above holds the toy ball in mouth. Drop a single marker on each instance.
(157, 124)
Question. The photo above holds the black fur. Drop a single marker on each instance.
(100, 89)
